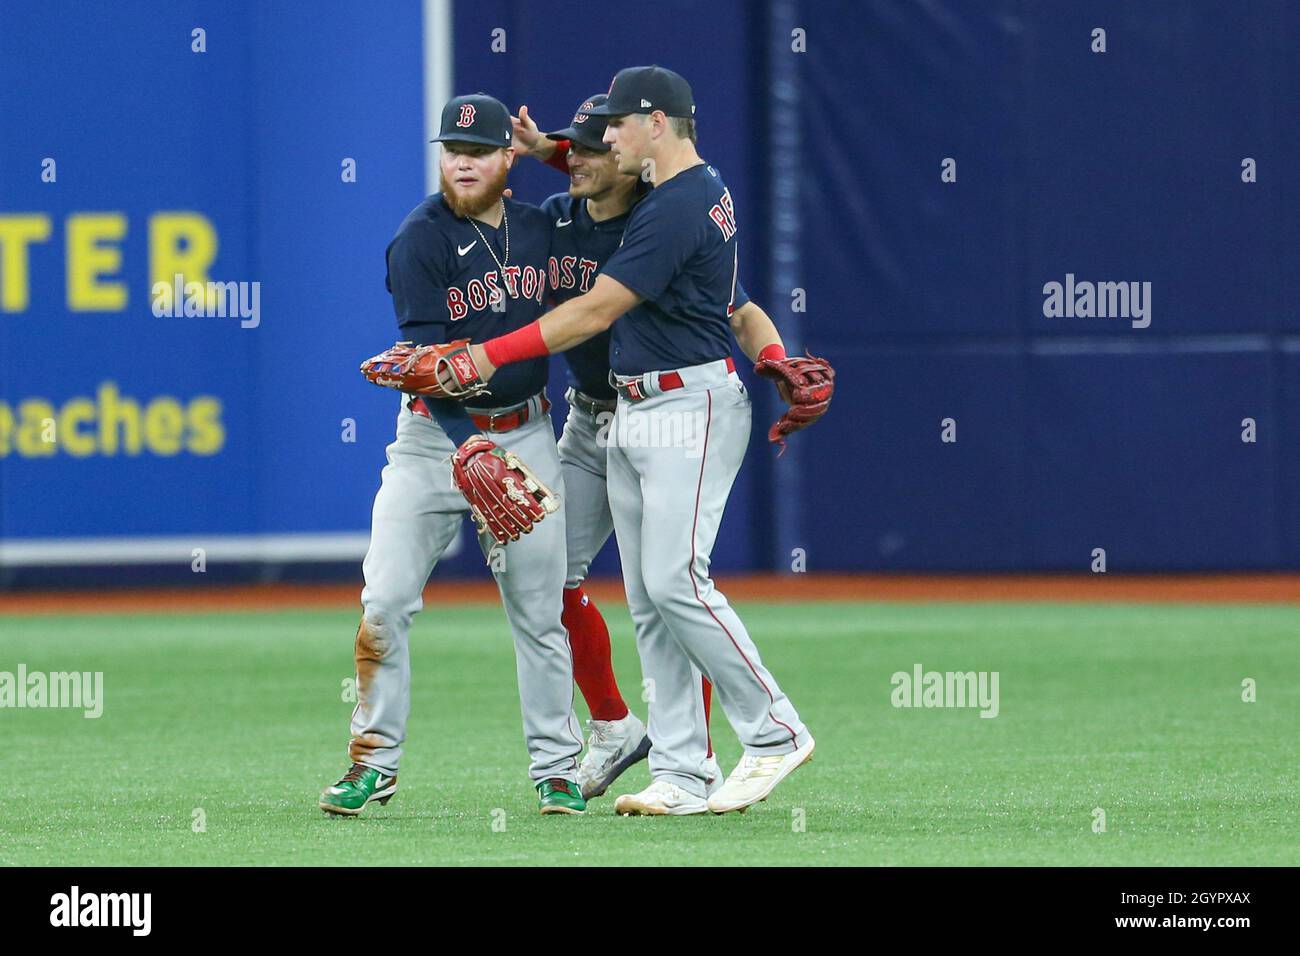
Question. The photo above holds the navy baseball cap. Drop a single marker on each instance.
(586, 129)
(476, 118)
(644, 89)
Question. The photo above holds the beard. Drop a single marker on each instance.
(467, 204)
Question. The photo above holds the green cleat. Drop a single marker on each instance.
(560, 796)
(359, 786)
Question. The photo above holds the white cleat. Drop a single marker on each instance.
(756, 777)
(612, 747)
(661, 798)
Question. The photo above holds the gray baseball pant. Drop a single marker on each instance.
(417, 513)
(672, 459)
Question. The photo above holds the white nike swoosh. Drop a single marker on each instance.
(461, 251)
(561, 223)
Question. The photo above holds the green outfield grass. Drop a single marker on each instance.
(1134, 709)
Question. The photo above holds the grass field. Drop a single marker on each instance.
(1134, 709)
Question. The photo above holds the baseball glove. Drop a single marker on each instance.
(505, 497)
(440, 371)
(806, 383)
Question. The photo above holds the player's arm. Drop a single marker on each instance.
(529, 140)
(559, 330)
(413, 279)
(756, 332)
(453, 419)
(656, 244)
(806, 384)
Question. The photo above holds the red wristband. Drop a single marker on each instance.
(775, 352)
(560, 158)
(517, 346)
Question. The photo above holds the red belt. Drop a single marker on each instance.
(667, 382)
(498, 422)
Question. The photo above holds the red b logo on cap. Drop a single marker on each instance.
(466, 115)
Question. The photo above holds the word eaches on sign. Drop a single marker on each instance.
(110, 424)
(180, 242)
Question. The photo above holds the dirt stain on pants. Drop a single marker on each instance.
(369, 651)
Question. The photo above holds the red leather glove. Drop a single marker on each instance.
(505, 497)
(807, 383)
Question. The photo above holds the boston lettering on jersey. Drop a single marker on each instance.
(572, 274)
(444, 278)
(478, 293)
(679, 255)
(579, 247)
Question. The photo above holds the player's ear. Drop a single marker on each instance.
(510, 156)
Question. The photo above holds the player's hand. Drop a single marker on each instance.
(466, 374)
(485, 367)
(528, 138)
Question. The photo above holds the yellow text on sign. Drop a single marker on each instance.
(181, 242)
(110, 424)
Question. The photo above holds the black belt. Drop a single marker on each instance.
(592, 406)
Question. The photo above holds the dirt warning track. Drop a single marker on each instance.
(1243, 588)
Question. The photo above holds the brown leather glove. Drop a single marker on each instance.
(440, 371)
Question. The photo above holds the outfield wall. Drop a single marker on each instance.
(255, 439)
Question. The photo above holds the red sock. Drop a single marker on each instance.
(589, 638)
(708, 702)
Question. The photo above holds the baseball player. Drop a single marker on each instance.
(469, 263)
(675, 277)
(588, 223)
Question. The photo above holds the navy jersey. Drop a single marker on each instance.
(679, 255)
(580, 246)
(443, 279)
